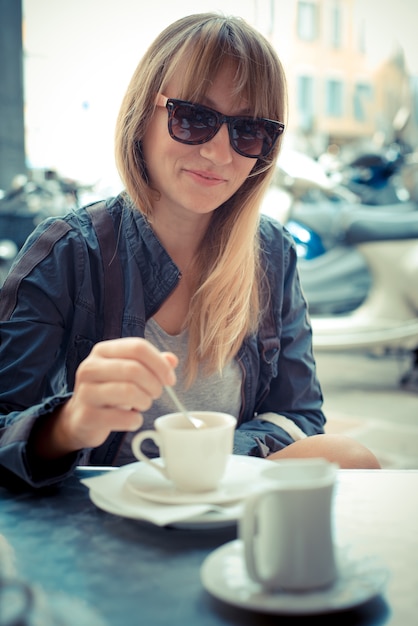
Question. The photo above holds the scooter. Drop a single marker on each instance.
(373, 170)
(335, 275)
(387, 317)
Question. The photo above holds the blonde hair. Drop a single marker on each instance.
(227, 303)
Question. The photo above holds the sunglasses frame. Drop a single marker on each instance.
(230, 120)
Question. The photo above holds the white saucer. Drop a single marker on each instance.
(238, 482)
(211, 520)
(110, 493)
(224, 575)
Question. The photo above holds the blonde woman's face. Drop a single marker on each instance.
(195, 179)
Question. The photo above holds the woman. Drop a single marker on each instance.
(98, 312)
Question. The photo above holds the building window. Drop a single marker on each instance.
(361, 37)
(336, 26)
(305, 102)
(307, 21)
(334, 98)
(362, 96)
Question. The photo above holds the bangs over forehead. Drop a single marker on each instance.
(205, 46)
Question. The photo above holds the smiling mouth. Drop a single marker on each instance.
(206, 176)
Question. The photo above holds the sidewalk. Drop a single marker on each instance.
(363, 399)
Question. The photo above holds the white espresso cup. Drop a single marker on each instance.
(193, 459)
(287, 530)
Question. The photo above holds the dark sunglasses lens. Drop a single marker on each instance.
(253, 138)
(191, 124)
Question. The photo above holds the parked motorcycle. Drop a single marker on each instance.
(358, 261)
(340, 281)
(385, 317)
(373, 170)
(29, 201)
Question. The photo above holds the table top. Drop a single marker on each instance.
(101, 569)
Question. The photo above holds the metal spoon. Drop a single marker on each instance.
(197, 423)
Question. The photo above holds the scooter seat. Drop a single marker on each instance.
(363, 226)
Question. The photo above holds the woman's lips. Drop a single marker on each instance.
(206, 178)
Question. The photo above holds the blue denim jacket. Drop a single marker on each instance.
(52, 313)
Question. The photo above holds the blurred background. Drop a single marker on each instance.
(346, 184)
(351, 65)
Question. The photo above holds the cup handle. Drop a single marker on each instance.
(248, 534)
(136, 449)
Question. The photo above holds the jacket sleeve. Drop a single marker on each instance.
(290, 407)
(34, 309)
(17, 467)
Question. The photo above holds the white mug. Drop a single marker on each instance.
(287, 529)
(194, 459)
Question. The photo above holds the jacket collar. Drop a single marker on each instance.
(159, 273)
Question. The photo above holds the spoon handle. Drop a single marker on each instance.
(176, 401)
(193, 420)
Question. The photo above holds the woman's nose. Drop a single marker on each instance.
(218, 149)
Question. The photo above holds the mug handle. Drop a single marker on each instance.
(248, 534)
(136, 449)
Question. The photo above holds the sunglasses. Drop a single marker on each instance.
(193, 124)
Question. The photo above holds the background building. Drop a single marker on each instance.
(351, 66)
(337, 95)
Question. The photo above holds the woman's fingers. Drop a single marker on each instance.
(126, 395)
(136, 370)
(117, 382)
(141, 352)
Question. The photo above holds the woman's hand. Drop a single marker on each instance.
(114, 384)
